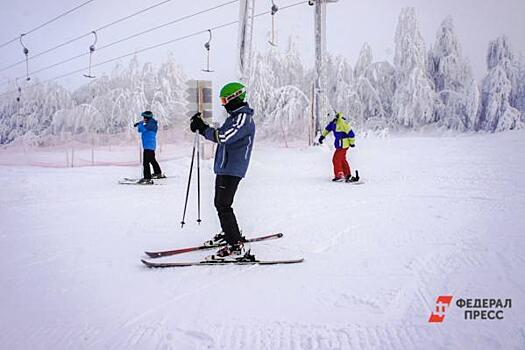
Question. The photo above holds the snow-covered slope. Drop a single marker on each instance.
(436, 216)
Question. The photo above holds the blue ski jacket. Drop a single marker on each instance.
(235, 142)
(148, 133)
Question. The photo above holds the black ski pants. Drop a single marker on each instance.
(225, 188)
(149, 158)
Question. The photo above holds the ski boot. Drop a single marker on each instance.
(353, 178)
(340, 177)
(145, 182)
(158, 176)
(232, 252)
(217, 240)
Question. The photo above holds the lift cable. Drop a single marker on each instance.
(48, 22)
(155, 46)
(88, 34)
(180, 19)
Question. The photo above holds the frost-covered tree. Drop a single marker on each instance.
(31, 112)
(262, 85)
(381, 77)
(497, 113)
(520, 103)
(287, 66)
(289, 115)
(363, 61)
(122, 96)
(278, 92)
(500, 89)
(341, 94)
(375, 85)
(457, 91)
(414, 98)
(169, 100)
(106, 105)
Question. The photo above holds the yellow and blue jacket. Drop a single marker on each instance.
(343, 133)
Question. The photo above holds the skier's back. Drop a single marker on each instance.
(344, 138)
(148, 130)
(235, 143)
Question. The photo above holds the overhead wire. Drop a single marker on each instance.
(135, 52)
(180, 19)
(47, 22)
(105, 26)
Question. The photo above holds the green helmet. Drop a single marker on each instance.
(231, 91)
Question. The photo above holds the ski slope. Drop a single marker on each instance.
(436, 216)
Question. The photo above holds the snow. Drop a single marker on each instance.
(436, 216)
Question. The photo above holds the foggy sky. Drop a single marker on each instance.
(349, 25)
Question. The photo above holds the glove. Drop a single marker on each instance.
(136, 124)
(321, 138)
(352, 145)
(197, 124)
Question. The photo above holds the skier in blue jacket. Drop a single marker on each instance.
(148, 129)
(235, 142)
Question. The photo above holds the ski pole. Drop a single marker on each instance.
(198, 182)
(189, 180)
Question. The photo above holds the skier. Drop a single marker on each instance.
(148, 130)
(344, 138)
(235, 142)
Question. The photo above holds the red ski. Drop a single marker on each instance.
(159, 254)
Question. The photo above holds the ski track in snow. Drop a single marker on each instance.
(435, 216)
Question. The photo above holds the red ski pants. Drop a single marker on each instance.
(341, 166)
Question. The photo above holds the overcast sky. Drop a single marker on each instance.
(349, 25)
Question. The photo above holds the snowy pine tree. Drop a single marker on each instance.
(262, 84)
(375, 86)
(520, 103)
(364, 61)
(500, 89)
(414, 99)
(106, 105)
(278, 94)
(453, 81)
(342, 96)
(31, 113)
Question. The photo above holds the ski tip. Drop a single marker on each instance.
(281, 262)
(147, 263)
(152, 254)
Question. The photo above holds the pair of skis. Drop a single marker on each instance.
(135, 181)
(240, 261)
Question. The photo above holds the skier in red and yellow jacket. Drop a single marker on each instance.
(344, 138)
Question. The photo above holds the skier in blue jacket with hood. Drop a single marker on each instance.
(235, 142)
(148, 129)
